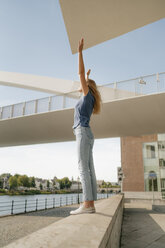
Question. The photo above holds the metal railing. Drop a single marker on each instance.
(143, 85)
(29, 205)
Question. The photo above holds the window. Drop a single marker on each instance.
(162, 162)
(150, 149)
(152, 180)
(163, 183)
(161, 145)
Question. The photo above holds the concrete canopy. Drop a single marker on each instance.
(101, 20)
(39, 83)
(140, 115)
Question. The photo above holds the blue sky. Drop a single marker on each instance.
(34, 40)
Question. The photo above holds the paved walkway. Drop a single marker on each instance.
(142, 228)
(17, 226)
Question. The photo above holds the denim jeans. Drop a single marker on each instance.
(85, 141)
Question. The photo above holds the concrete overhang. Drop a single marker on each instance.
(140, 115)
(101, 20)
(39, 83)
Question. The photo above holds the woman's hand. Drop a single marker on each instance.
(81, 44)
(87, 74)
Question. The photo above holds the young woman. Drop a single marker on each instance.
(89, 103)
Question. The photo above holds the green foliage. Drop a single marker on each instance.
(1, 183)
(105, 184)
(41, 187)
(32, 182)
(5, 175)
(13, 182)
(65, 183)
(48, 184)
(2, 191)
(23, 180)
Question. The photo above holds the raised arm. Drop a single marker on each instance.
(83, 82)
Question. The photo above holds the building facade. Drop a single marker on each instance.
(143, 163)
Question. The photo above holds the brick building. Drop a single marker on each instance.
(141, 158)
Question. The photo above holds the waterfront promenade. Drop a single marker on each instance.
(100, 229)
(142, 227)
(18, 226)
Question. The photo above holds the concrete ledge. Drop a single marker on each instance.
(100, 229)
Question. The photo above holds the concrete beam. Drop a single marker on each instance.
(140, 115)
(39, 83)
(101, 20)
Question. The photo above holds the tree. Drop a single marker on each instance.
(13, 182)
(17, 175)
(61, 183)
(41, 187)
(109, 184)
(48, 184)
(64, 183)
(24, 181)
(5, 175)
(32, 182)
(1, 183)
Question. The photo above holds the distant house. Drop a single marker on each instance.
(5, 181)
(22, 188)
(55, 184)
(39, 181)
(114, 184)
(75, 185)
(99, 183)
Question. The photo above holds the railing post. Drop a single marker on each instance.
(64, 101)
(46, 203)
(66, 200)
(115, 85)
(135, 88)
(1, 113)
(60, 201)
(72, 199)
(36, 103)
(12, 110)
(53, 202)
(157, 80)
(36, 203)
(12, 206)
(49, 104)
(23, 109)
(25, 204)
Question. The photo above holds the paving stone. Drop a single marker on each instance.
(142, 228)
(17, 226)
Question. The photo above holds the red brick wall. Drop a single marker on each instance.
(132, 161)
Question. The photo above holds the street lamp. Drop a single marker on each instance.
(152, 176)
(78, 189)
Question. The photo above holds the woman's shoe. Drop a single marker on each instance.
(94, 209)
(83, 210)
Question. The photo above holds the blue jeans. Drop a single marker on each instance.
(85, 141)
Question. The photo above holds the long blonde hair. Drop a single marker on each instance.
(93, 88)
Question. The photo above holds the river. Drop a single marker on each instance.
(21, 203)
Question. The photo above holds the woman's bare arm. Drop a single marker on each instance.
(83, 82)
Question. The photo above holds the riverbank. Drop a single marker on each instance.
(34, 192)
